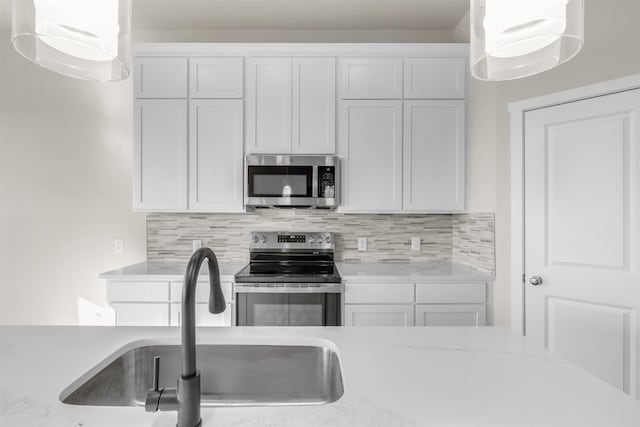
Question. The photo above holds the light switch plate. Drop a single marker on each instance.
(415, 244)
(118, 246)
(196, 244)
(362, 244)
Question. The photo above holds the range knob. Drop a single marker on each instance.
(327, 239)
(264, 239)
(311, 240)
(255, 239)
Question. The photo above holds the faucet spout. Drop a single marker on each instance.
(186, 397)
(217, 304)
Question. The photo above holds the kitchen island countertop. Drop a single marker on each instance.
(396, 377)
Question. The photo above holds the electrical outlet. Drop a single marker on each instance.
(118, 246)
(415, 244)
(362, 244)
(196, 244)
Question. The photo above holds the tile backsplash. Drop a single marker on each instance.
(466, 238)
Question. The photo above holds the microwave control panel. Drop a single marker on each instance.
(326, 182)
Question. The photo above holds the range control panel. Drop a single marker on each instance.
(288, 240)
(292, 238)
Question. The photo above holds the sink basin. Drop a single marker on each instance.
(231, 375)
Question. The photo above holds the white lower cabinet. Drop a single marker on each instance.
(378, 315)
(157, 303)
(450, 315)
(141, 314)
(415, 304)
(203, 317)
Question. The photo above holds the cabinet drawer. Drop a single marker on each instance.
(451, 293)
(378, 315)
(138, 291)
(434, 78)
(202, 291)
(216, 77)
(203, 317)
(141, 314)
(371, 78)
(379, 293)
(450, 315)
(161, 77)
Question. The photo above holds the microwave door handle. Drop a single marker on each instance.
(314, 185)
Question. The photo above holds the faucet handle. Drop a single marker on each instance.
(156, 373)
(152, 402)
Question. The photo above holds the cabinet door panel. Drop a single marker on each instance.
(140, 314)
(216, 77)
(434, 78)
(371, 78)
(160, 78)
(434, 141)
(314, 104)
(370, 145)
(451, 293)
(160, 155)
(450, 315)
(268, 105)
(215, 156)
(378, 315)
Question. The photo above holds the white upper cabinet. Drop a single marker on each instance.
(370, 145)
(160, 155)
(160, 78)
(371, 78)
(434, 154)
(399, 129)
(314, 106)
(290, 105)
(268, 105)
(434, 78)
(216, 77)
(215, 155)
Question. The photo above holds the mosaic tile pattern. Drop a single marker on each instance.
(473, 240)
(169, 236)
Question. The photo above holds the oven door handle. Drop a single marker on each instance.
(289, 288)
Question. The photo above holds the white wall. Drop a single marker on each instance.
(65, 189)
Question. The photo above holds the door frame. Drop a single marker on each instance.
(517, 111)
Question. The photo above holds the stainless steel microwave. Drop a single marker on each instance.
(291, 181)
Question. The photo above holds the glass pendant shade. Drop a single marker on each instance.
(511, 39)
(87, 39)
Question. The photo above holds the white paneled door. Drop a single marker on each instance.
(582, 222)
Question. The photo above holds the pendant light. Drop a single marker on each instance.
(87, 39)
(511, 39)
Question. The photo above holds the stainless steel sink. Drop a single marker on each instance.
(231, 375)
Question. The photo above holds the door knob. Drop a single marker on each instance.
(535, 280)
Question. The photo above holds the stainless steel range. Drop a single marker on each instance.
(291, 280)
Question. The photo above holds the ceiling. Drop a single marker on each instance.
(198, 15)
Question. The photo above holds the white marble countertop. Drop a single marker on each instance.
(396, 377)
(350, 271)
(167, 270)
(409, 271)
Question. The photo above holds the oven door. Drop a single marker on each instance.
(288, 309)
(281, 185)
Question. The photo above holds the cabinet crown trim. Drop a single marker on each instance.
(399, 50)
